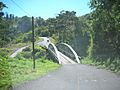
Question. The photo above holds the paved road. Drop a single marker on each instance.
(42, 43)
(45, 42)
(17, 51)
(75, 77)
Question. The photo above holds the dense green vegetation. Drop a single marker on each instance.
(20, 69)
(40, 52)
(94, 36)
(17, 71)
(109, 64)
(15, 32)
(104, 20)
(5, 78)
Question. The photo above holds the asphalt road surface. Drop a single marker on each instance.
(17, 51)
(45, 42)
(42, 43)
(74, 77)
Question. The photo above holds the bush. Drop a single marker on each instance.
(27, 53)
(4, 52)
(111, 64)
(5, 79)
(26, 49)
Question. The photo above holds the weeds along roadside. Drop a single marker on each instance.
(109, 64)
(19, 69)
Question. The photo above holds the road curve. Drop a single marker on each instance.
(42, 43)
(17, 51)
(74, 77)
(45, 41)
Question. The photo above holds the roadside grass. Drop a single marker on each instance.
(22, 70)
(5, 78)
(15, 71)
(109, 64)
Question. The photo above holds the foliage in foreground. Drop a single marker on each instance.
(20, 69)
(15, 71)
(113, 65)
(27, 53)
(5, 78)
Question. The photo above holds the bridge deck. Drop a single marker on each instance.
(65, 60)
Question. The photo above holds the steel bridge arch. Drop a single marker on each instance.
(73, 51)
(56, 51)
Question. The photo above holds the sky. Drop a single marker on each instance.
(45, 8)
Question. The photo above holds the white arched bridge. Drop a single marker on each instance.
(63, 53)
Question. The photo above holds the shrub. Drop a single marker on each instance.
(26, 49)
(27, 53)
(5, 79)
(112, 64)
(4, 52)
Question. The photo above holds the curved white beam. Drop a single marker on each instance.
(76, 56)
(56, 51)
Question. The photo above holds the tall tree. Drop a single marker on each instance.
(3, 26)
(107, 27)
(65, 25)
(24, 25)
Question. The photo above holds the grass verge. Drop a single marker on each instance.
(109, 64)
(16, 71)
(21, 70)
